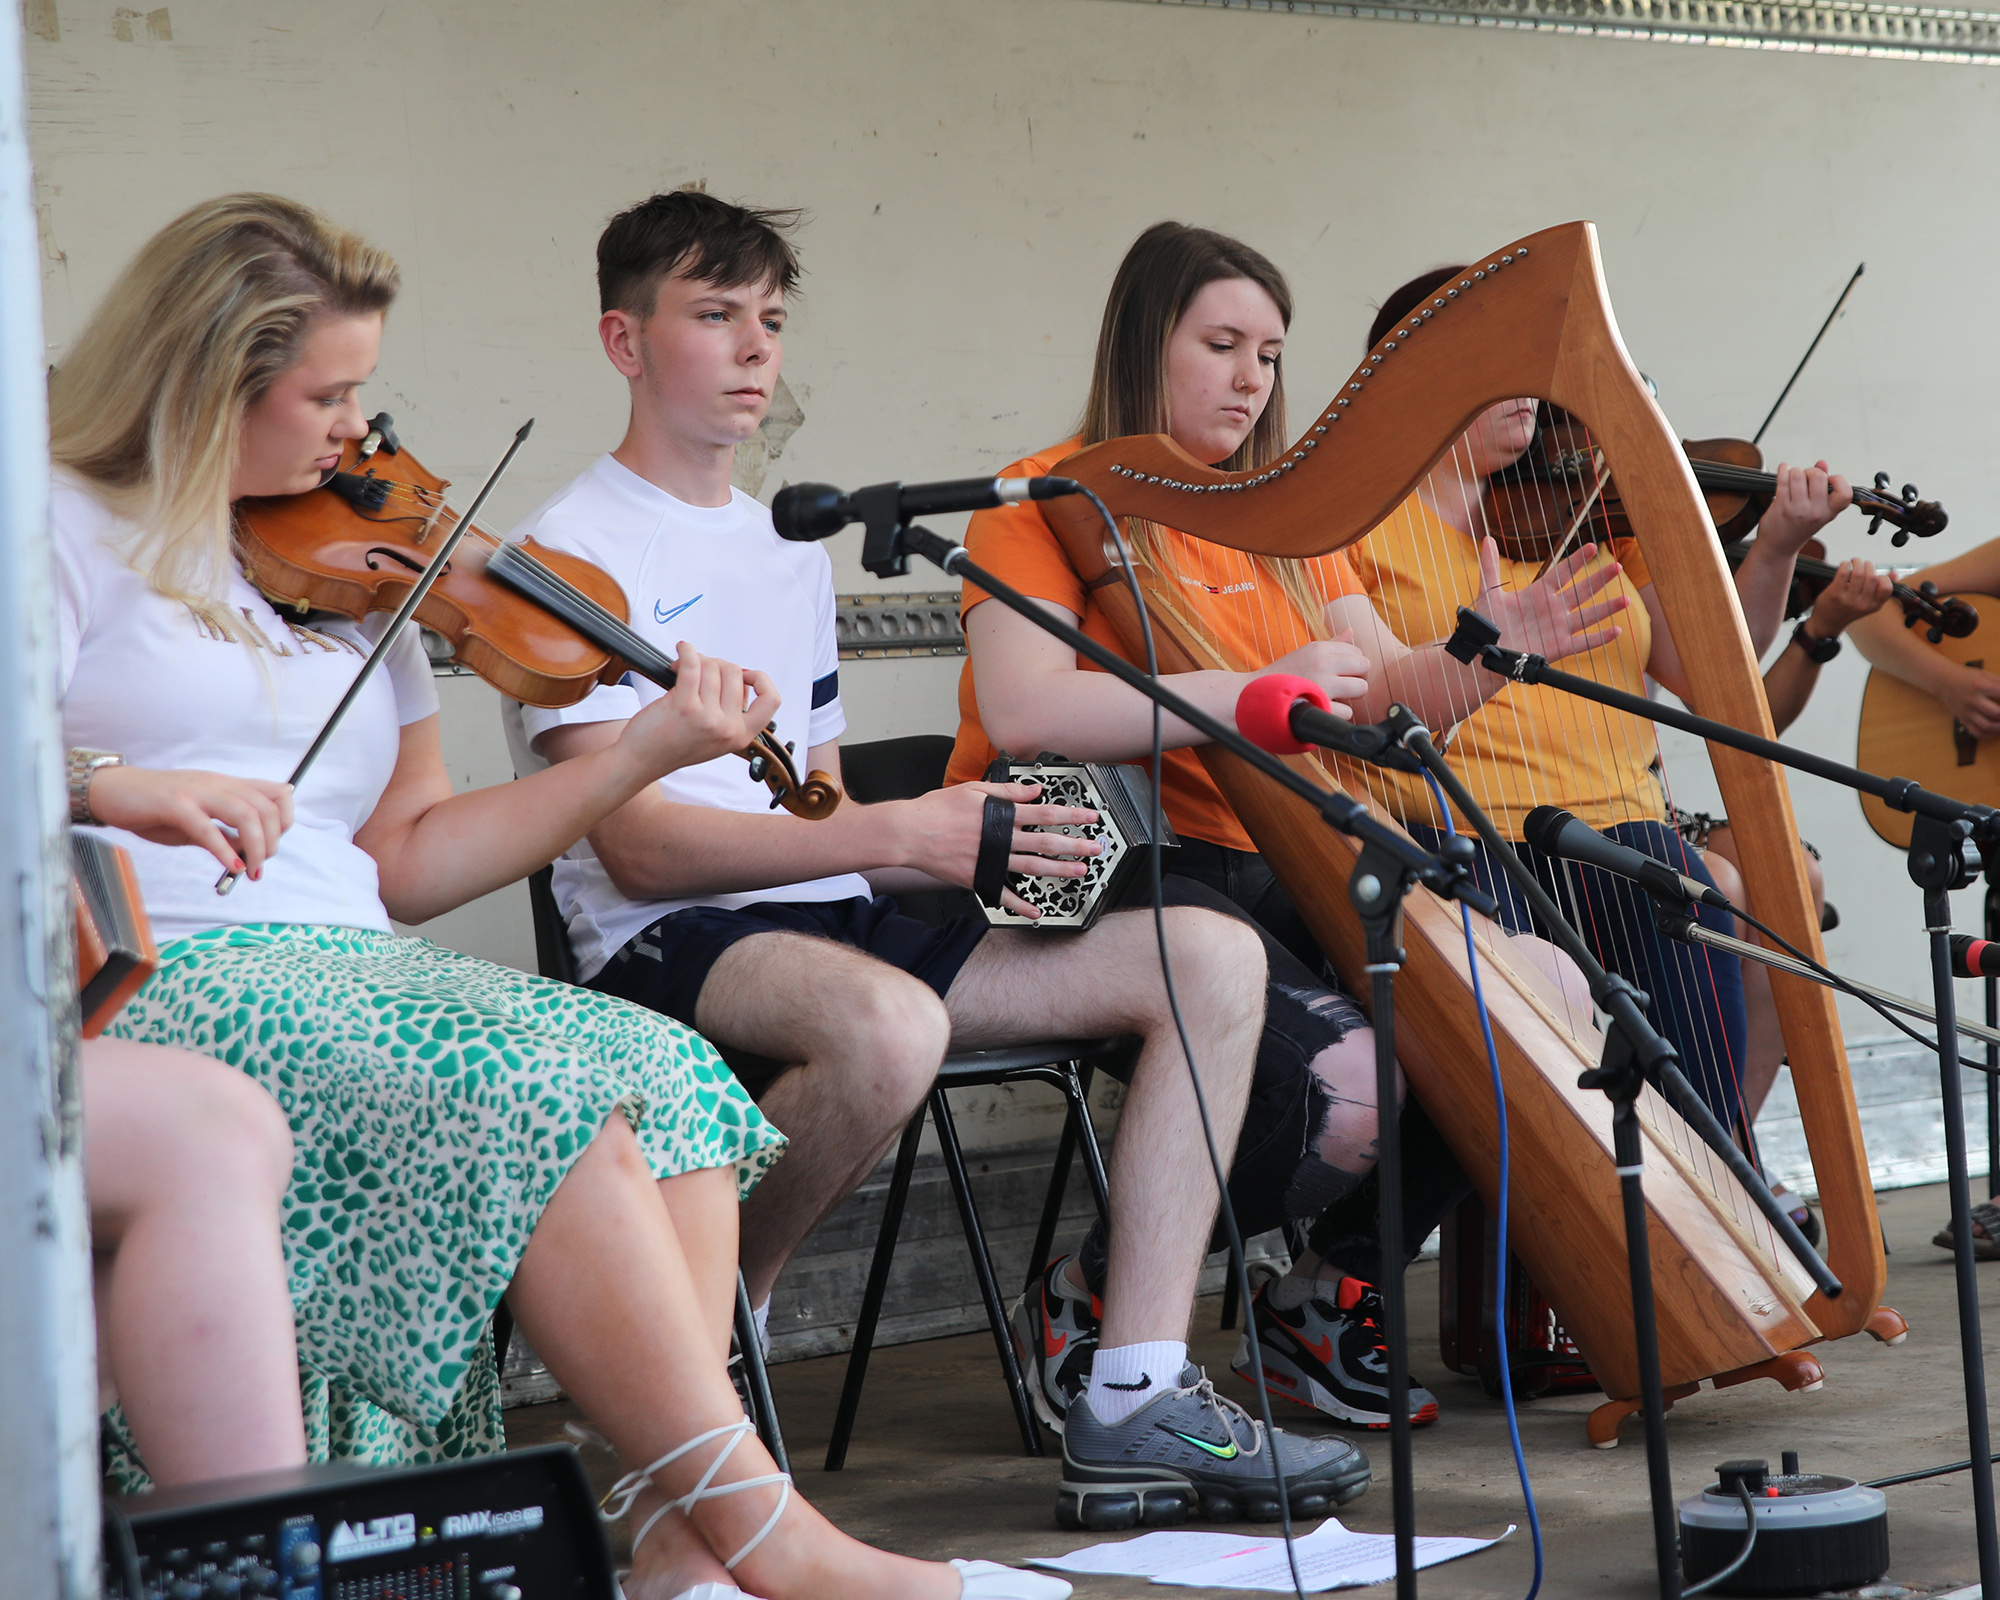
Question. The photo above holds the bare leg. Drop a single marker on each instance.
(187, 1163)
(868, 1040)
(1018, 987)
(702, 1207)
(605, 1293)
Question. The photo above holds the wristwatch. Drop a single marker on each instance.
(1818, 651)
(82, 765)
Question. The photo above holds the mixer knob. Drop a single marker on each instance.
(224, 1586)
(305, 1557)
(260, 1580)
(218, 1551)
(185, 1589)
(502, 1591)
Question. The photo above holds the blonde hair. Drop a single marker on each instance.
(147, 407)
(1167, 266)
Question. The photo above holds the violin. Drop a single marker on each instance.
(541, 626)
(1940, 615)
(1559, 490)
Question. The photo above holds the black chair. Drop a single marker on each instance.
(557, 960)
(897, 769)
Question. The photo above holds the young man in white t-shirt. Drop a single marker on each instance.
(758, 929)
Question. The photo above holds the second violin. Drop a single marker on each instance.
(542, 627)
(1560, 492)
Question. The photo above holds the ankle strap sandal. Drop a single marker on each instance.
(628, 1488)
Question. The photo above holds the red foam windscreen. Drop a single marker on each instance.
(1264, 710)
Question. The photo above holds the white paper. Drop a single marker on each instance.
(1154, 1553)
(1330, 1557)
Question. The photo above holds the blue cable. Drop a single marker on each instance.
(1500, 1270)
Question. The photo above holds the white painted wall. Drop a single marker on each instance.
(975, 168)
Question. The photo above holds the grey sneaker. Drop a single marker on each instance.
(1189, 1452)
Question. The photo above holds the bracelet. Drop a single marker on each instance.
(83, 766)
(1818, 651)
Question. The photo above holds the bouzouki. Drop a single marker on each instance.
(1534, 320)
(1904, 733)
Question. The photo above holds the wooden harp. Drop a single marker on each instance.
(1534, 320)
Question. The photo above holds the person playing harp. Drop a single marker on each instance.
(1191, 345)
(1527, 746)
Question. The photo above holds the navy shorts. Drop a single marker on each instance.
(665, 967)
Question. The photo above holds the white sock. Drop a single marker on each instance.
(1295, 1289)
(1125, 1378)
(761, 1315)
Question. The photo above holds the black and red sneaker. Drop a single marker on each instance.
(1328, 1354)
(1055, 1340)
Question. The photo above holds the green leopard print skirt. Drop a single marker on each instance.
(435, 1101)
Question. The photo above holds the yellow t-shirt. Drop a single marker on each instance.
(1528, 745)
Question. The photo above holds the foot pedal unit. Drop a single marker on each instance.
(1815, 1532)
(522, 1525)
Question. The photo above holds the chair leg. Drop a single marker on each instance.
(1093, 1157)
(763, 1408)
(872, 1296)
(1045, 1231)
(982, 1265)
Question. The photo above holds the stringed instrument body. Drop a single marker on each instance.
(1533, 321)
(115, 953)
(1904, 733)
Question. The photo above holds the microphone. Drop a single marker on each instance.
(803, 511)
(1555, 832)
(1974, 958)
(1288, 715)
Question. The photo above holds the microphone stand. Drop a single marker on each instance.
(1389, 866)
(1633, 1052)
(1945, 854)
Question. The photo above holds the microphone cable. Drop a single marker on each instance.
(1500, 1266)
(1226, 1210)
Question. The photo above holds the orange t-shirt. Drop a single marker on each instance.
(1232, 592)
(1528, 745)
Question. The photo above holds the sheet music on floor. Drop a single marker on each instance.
(1330, 1557)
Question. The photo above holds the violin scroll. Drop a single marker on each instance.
(1923, 518)
(1950, 615)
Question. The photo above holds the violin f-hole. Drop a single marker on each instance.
(397, 556)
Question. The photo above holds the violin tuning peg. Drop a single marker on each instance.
(1882, 483)
(1900, 538)
(1909, 494)
(1935, 635)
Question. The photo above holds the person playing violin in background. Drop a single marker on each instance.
(1855, 591)
(1191, 344)
(463, 1130)
(1528, 745)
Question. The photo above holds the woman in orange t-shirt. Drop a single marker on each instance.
(1191, 346)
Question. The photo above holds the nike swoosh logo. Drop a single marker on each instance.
(1321, 1347)
(1220, 1452)
(663, 615)
(1054, 1344)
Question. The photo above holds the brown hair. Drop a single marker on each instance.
(1167, 266)
(147, 407)
(1406, 299)
(698, 236)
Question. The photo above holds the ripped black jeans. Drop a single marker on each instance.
(1305, 1012)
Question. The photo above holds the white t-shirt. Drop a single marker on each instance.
(720, 578)
(142, 675)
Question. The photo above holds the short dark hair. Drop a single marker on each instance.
(1406, 299)
(697, 236)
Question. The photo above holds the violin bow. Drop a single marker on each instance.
(404, 612)
(1758, 437)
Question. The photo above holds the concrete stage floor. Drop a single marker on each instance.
(937, 1469)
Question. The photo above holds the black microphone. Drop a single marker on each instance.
(1974, 958)
(818, 510)
(1554, 832)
